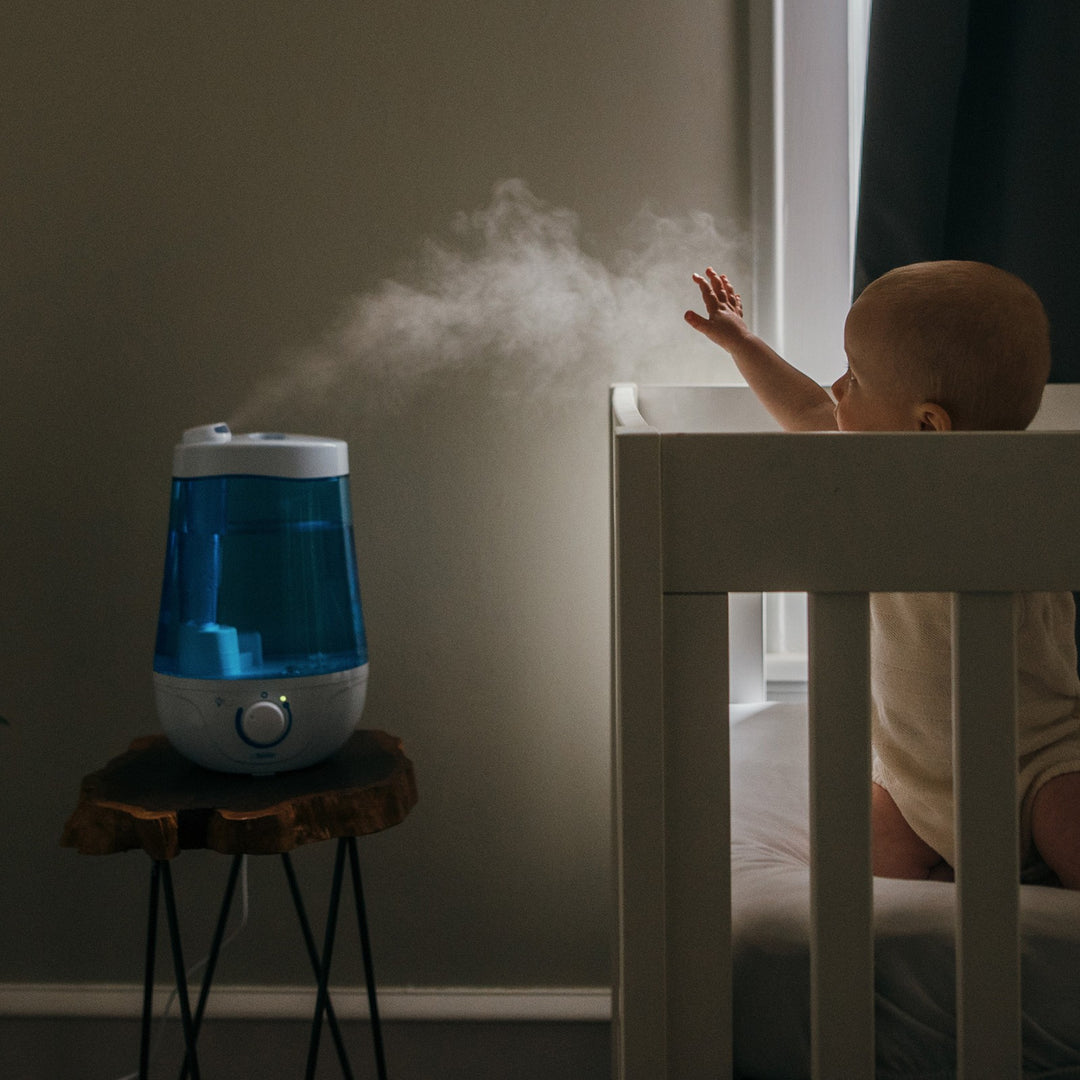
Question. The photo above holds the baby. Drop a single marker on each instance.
(937, 346)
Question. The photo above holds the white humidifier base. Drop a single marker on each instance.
(260, 726)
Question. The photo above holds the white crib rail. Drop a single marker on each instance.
(696, 516)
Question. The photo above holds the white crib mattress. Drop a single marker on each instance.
(914, 1013)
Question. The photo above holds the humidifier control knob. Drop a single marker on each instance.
(263, 723)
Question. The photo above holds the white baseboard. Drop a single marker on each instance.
(442, 1003)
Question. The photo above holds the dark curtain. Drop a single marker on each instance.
(971, 147)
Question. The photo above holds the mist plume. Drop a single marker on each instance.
(512, 289)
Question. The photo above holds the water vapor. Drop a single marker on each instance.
(511, 289)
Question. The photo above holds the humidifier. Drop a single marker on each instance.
(261, 661)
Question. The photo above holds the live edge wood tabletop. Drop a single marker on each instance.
(151, 797)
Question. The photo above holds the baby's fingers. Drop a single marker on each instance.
(726, 290)
(718, 293)
(708, 294)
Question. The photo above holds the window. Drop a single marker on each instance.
(807, 93)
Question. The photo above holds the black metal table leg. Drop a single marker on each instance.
(148, 972)
(161, 880)
(327, 956)
(215, 950)
(178, 966)
(316, 964)
(369, 966)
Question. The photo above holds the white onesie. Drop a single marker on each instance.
(911, 647)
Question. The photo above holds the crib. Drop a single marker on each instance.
(776, 954)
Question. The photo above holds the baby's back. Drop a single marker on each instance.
(911, 665)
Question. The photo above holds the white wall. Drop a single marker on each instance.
(201, 197)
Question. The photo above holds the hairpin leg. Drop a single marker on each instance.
(148, 972)
(369, 967)
(215, 950)
(327, 954)
(316, 964)
(178, 965)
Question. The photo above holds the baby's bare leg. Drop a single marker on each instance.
(1055, 827)
(898, 851)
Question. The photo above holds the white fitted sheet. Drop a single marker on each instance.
(913, 925)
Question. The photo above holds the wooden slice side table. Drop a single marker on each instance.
(152, 798)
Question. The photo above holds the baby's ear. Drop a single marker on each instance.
(933, 417)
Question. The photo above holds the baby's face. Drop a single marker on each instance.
(871, 394)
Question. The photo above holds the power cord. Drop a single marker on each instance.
(155, 1039)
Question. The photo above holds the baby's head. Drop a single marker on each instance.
(965, 343)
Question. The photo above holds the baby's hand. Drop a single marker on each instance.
(723, 304)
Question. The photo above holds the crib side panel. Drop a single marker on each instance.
(697, 516)
(836, 513)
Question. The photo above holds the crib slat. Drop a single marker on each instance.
(988, 891)
(697, 833)
(841, 886)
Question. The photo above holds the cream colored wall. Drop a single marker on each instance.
(199, 197)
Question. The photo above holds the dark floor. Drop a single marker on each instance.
(90, 1049)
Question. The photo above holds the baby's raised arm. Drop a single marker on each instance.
(794, 399)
